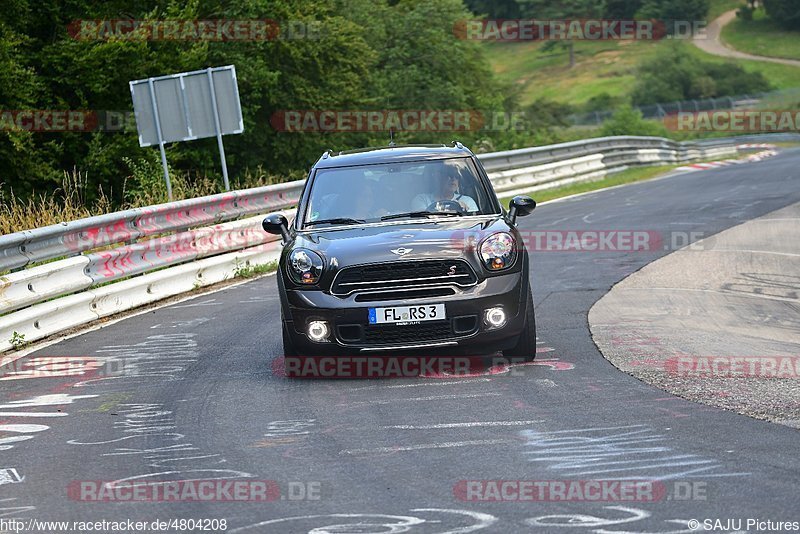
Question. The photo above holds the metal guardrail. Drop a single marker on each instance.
(189, 237)
(774, 99)
(70, 238)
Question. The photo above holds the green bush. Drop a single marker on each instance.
(603, 102)
(675, 74)
(629, 121)
(745, 12)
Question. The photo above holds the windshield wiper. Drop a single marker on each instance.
(336, 220)
(419, 214)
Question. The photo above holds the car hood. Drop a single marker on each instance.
(413, 240)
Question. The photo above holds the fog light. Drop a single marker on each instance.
(317, 331)
(495, 317)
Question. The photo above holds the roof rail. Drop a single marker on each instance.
(368, 149)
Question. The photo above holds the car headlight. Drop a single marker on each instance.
(498, 251)
(305, 266)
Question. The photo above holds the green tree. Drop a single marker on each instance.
(669, 11)
(495, 9)
(784, 12)
(622, 9)
(384, 54)
(562, 10)
(675, 74)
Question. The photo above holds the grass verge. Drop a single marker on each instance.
(636, 174)
(602, 67)
(249, 271)
(71, 202)
(761, 36)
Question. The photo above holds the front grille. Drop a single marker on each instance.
(390, 334)
(405, 294)
(405, 274)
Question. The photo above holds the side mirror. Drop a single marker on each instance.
(520, 206)
(276, 223)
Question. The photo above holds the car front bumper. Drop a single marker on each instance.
(462, 332)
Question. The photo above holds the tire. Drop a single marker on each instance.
(289, 349)
(525, 348)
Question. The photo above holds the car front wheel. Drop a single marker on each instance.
(288, 345)
(525, 348)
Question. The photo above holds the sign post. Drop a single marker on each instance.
(187, 106)
(218, 131)
(160, 140)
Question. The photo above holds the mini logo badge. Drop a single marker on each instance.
(402, 251)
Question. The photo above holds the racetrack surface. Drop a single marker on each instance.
(196, 398)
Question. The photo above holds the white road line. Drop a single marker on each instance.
(23, 428)
(414, 399)
(422, 446)
(9, 475)
(33, 414)
(465, 425)
(209, 302)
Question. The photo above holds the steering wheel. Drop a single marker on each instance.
(446, 205)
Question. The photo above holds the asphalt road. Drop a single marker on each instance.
(188, 392)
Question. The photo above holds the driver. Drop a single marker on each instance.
(445, 183)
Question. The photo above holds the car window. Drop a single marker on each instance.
(370, 192)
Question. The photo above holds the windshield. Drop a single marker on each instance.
(372, 193)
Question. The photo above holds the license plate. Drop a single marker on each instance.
(406, 314)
